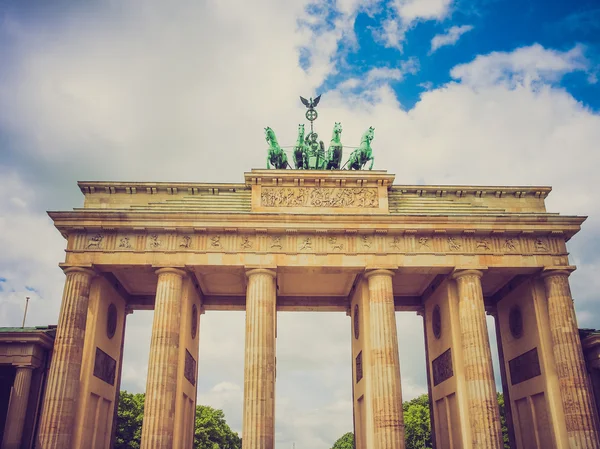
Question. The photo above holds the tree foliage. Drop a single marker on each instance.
(346, 441)
(417, 425)
(211, 431)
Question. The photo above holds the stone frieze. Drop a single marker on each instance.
(367, 197)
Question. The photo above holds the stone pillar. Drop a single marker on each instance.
(62, 388)
(575, 389)
(388, 420)
(484, 415)
(17, 408)
(161, 385)
(259, 364)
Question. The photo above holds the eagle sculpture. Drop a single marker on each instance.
(310, 104)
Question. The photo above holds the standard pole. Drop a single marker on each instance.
(25, 314)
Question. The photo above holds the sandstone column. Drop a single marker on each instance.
(575, 388)
(388, 420)
(259, 363)
(19, 396)
(484, 415)
(161, 385)
(56, 426)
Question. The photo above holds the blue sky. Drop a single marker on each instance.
(459, 92)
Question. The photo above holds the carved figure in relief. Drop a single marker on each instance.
(276, 156)
(335, 245)
(154, 241)
(300, 150)
(246, 243)
(276, 242)
(540, 245)
(454, 243)
(483, 244)
(186, 240)
(124, 243)
(215, 241)
(334, 153)
(95, 241)
(366, 242)
(364, 153)
(306, 243)
(424, 242)
(510, 245)
(395, 243)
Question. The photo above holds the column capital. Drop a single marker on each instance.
(379, 272)
(250, 271)
(457, 274)
(89, 270)
(173, 270)
(557, 271)
(31, 367)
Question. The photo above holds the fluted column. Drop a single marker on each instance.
(19, 396)
(161, 385)
(484, 415)
(386, 391)
(575, 387)
(259, 363)
(62, 389)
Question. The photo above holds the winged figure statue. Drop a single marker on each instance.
(310, 104)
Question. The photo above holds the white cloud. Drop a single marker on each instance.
(406, 13)
(527, 66)
(451, 37)
(412, 10)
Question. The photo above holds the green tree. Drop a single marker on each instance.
(417, 424)
(129, 420)
(346, 441)
(505, 439)
(211, 431)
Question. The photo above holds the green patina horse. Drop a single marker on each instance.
(276, 156)
(300, 150)
(363, 153)
(334, 153)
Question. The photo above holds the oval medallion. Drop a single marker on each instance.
(194, 321)
(111, 321)
(356, 323)
(515, 321)
(436, 322)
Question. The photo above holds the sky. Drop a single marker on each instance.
(459, 92)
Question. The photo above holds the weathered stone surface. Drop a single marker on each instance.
(259, 363)
(388, 421)
(15, 419)
(575, 386)
(484, 415)
(56, 426)
(161, 386)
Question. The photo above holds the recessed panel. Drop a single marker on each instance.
(297, 283)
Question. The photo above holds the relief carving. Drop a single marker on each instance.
(319, 197)
(366, 241)
(442, 367)
(424, 242)
(125, 243)
(276, 242)
(395, 243)
(189, 370)
(306, 244)
(215, 241)
(510, 245)
(154, 241)
(483, 244)
(186, 241)
(454, 244)
(359, 371)
(540, 245)
(335, 245)
(95, 241)
(246, 243)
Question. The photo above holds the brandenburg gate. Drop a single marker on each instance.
(323, 240)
